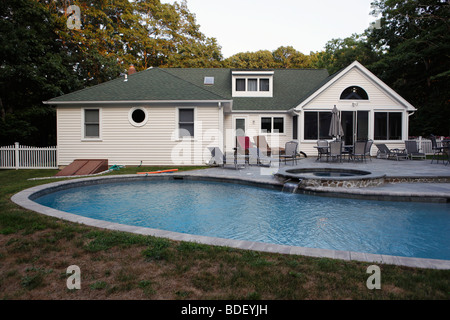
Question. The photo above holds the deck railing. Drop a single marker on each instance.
(26, 157)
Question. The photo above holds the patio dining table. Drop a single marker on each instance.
(347, 150)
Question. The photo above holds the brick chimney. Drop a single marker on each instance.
(131, 70)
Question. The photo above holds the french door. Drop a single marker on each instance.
(355, 125)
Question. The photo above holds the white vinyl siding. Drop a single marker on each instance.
(331, 96)
(253, 128)
(154, 143)
(379, 101)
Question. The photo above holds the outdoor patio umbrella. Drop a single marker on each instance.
(335, 126)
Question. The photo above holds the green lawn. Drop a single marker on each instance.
(35, 251)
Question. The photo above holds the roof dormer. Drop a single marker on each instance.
(252, 84)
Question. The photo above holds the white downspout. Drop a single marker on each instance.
(221, 133)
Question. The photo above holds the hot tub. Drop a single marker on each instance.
(332, 177)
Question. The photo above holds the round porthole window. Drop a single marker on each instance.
(138, 117)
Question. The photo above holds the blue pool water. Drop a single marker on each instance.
(256, 214)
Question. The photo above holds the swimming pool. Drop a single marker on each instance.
(236, 211)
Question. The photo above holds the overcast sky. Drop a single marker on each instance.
(252, 25)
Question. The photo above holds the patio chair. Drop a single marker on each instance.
(386, 153)
(438, 152)
(263, 146)
(359, 150)
(242, 146)
(369, 144)
(447, 152)
(322, 149)
(336, 150)
(412, 150)
(290, 152)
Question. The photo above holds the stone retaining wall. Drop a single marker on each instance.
(355, 183)
(371, 182)
(417, 179)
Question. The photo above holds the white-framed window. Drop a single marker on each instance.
(252, 83)
(354, 93)
(91, 119)
(264, 84)
(186, 122)
(316, 125)
(241, 84)
(388, 125)
(138, 116)
(272, 124)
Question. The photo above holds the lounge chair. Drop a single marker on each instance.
(218, 158)
(412, 150)
(263, 146)
(336, 150)
(386, 153)
(359, 150)
(258, 158)
(290, 152)
(437, 151)
(242, 144)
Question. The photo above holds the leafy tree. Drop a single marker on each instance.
(41, 57)
(288, 57)
(200, 54)
(339, 53)
(414, 40)
(144, 33)
(283, 57)
(33, 69)
(409, 51)
(262, 59)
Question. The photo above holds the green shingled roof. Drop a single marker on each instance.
(289, 87)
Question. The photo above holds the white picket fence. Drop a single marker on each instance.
(25, 157)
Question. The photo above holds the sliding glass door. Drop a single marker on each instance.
(355, 125)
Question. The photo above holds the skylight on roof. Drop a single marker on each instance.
(208, 81)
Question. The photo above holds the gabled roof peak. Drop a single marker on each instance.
(338, 75)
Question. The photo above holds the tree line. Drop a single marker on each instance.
(43, 56)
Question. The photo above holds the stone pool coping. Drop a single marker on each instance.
(24, 199)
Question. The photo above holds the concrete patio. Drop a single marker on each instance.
(407, 180)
